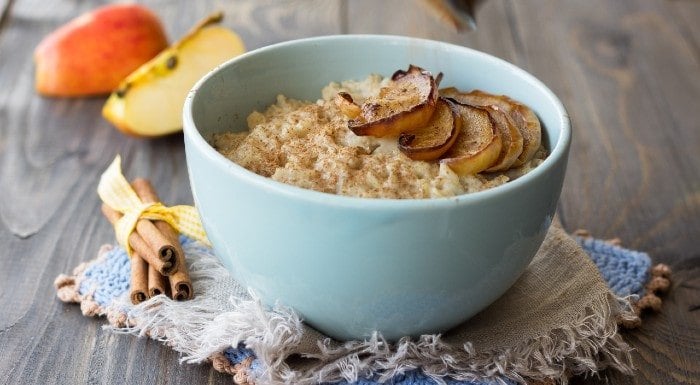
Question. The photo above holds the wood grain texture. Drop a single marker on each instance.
(627, 70)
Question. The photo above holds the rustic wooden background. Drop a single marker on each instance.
(628, 71)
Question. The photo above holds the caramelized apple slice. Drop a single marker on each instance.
(407, 103)
(435, 138)
(531, 129)
(511, 137)
(346, 105)
(478, 144)
(525, 119)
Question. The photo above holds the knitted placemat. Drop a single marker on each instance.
(228, 326)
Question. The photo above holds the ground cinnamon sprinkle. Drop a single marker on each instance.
(309, 145)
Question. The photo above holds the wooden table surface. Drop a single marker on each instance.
(627, 70)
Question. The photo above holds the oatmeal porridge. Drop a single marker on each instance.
(310, 145)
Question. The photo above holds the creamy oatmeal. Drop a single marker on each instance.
(309, 145)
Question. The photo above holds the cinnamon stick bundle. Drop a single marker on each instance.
(157, 260)
(180, 282)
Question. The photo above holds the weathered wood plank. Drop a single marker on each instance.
(625, 70)
(5, 6)
(624, 75)
(686, 13)
(51, 153)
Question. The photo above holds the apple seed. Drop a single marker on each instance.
(171, 63)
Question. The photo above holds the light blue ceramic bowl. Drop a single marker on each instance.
(348, 265)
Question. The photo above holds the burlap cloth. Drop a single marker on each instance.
(559, 319)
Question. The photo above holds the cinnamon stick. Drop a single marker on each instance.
(139, 279)
(155, 239)
(180, 282)
(157, 283)
(143, 248)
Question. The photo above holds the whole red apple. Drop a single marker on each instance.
(91, 54)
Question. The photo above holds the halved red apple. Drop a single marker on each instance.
(435, 138)
(406, 104)
(478, 144)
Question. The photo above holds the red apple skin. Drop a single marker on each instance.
(91, 54)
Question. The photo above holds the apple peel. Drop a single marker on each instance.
(80, 58)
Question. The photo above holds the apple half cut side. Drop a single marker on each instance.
(525, 119)
(478, 144)
(435, 138)
(148, 103)
(407, 103)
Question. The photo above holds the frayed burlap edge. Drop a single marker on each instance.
(591, 344)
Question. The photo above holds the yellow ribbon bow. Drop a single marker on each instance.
(116, 192)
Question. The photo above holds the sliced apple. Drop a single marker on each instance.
(511, 137)
(436, 137)
(478, 144)
(149, 102)
(347, 105)
(531, 130)
(407, 103)
(525, 119)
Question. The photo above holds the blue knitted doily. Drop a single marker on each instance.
(625, 271)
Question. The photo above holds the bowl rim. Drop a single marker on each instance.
(559, 149)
